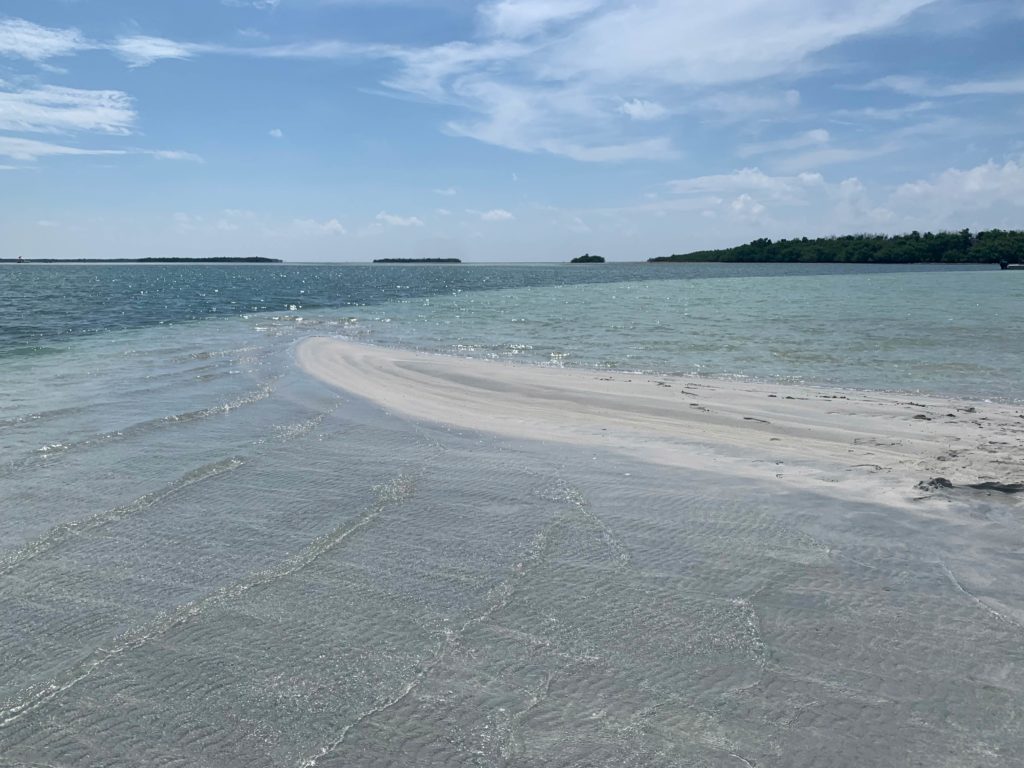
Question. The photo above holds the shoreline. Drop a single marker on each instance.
(852, 444)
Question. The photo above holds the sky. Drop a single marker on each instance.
(501, 130)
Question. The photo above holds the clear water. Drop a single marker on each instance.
(942, 330)
(208, 559)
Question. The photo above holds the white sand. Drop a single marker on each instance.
(853, 444)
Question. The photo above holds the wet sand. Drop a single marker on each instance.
(856, 445)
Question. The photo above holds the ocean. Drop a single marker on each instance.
(208, 558)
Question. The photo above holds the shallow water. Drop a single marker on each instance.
(942, 330)
(208, 559)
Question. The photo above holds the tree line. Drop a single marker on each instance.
(989, 247)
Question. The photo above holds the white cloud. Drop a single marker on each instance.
(818, 158)
(918, 86)
(314, 227)
(445, 192)
(737, 105)
(141, 50)
(262, 5)
(984, 196)
(398, 221)
(276, 133)
(751, 180)
(171, 154)
(726, 42)
(443, 212)
(550, 74)
(428, 71)
(521, 18)
(810, 138)
(251, 33)
(497, 214)
(23, 39)
(984, 186)
(539, 120)
(536, 90)
(639, 109)
(886, 113)
(746, 207)
(52, 109)
(30, 150)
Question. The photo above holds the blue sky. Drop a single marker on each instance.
(503, 129)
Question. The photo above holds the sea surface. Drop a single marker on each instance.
(207, 558)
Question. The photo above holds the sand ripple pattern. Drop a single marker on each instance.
(361, 590)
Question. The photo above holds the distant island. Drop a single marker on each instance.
(989, 247)
(586, 258)
(153, 260)
(417, 261)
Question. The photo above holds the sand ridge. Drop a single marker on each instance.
(850, 443)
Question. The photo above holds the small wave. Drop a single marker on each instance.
(389, 494)
(39, 416)
(143, 427)
(57, 535)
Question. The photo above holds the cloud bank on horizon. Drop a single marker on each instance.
(328, 129)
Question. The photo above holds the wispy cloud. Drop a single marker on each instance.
(591, 80)
(314, 227)
(497, 214)
(23, 39)
(142, 50)
(262, 5)
(884, 113)
(741, 104)
(521, 18)
(918, 86)
(276, 133)
(398, 221)
(812, 138)
(641, 109)
(29, 150)
(819, 158)
(52, 109)
(749, 180)
(170, 154)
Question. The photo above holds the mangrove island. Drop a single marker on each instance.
(989, 247)
(153, 260)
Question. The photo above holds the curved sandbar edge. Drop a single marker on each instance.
(862, 445)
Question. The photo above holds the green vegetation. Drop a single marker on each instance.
(588, 259)
(989, 247)
(154, 260)
(417, 261)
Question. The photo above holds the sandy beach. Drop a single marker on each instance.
(855, 445)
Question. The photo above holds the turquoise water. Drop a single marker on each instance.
(950, 331)
(209, 559)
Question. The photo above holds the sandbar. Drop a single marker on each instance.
(894, 448)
